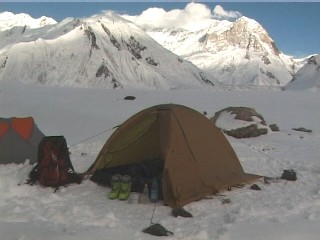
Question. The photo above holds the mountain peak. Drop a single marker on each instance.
(254, 34)
(250, 25)
(236, 53)
(246, 19)
(308, 77)
(9, 20)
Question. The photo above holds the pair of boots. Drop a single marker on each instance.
(120, 187)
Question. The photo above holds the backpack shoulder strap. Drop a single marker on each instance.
(33, 175)
(65, 152)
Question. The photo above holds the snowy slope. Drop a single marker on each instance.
(101, 51)
(281, 210)
(308, 77)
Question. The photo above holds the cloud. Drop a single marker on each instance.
(191, 17)
(221, 14)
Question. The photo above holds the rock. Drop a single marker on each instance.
(247, 132)
(129, 98)
(289, 175)
(255, 187)
(274, 127)
(302, 129)
(240, 122)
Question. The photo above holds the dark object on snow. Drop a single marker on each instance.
(157, 230)
(181, 212)
(267, 180)
(274, 127)
(289, 175)
(129, 98)
(302, 129)
(225, 201)
(255, 187)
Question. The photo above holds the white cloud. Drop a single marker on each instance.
(221, 14)
(193, 16)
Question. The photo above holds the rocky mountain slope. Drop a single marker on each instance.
(101, 51)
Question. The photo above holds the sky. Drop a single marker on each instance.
(294, 26)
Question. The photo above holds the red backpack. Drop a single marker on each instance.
(54, 167)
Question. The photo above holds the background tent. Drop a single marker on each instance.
(198, 160)
(19, 139)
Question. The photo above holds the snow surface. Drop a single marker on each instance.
(281, 210)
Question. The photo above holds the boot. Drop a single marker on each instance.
(125, 187)
(115, 187)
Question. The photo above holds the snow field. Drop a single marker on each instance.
(281, 210)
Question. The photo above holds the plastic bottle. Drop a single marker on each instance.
(154, 190)
(145, 195)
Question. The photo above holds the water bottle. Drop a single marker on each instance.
(145, 194)
(154, 190)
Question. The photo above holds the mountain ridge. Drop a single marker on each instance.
(9, 20)
(108, 50)
(101, 51)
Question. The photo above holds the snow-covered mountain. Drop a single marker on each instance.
(101, 51)
(235, 53)
(308, 77)
(9, 20)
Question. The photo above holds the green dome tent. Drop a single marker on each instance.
(198, 160)
(19, 139)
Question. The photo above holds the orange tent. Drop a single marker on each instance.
(19, 139)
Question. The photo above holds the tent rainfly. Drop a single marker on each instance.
(19, 139)
(198, 159)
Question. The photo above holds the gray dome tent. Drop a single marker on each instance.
(19, 139)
